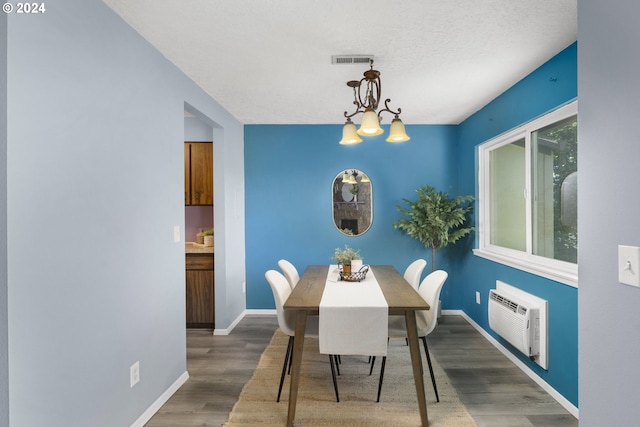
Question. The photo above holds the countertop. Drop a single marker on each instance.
(197, 248)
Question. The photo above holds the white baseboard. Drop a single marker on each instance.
(146, 416)
(269, 312)
(227, 331)
(452, 313)
(523, 367)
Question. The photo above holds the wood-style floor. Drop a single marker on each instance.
(495, 392)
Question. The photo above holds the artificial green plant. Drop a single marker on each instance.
(434, 219)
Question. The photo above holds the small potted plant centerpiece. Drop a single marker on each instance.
(208, 237)
(344, 257)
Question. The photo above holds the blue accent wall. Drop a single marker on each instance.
(551, 85)
(289, 170)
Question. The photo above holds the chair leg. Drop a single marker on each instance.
(287, 362)
(333, 361)
(372, 360)
(336, 359)
(384, 362)
(433, 378)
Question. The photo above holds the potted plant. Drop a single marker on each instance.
(435, 220)
(343, 257)
(208, 237)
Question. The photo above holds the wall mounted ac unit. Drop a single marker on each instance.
(520, 318)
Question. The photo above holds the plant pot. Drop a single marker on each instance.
(346, 269)
(208, 240)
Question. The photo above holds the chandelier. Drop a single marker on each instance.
(352, 178)
(366, 94)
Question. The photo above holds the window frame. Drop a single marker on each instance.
(557, 270)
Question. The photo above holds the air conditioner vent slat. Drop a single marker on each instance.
(512, 321)
(513, 306)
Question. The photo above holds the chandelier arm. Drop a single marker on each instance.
(389, 110)
(355, 85)
(363, 104)
(358, 110)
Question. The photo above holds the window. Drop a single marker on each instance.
(528, 197)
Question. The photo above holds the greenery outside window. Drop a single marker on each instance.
(528, 197)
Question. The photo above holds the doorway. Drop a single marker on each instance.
(199, 221)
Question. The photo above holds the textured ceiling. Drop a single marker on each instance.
(269, 61)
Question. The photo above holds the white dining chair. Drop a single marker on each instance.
(414, 271)
(290, 272)
(286, 323)
(426, 320)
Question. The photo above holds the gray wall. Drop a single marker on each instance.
(609, 202)
(195, 130)
(95, 187)
(4, 343)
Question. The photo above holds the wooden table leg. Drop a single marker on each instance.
(296, 362)
(412, 334)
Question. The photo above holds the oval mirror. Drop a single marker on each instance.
(352, 198)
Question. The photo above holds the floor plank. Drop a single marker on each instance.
(495, 391)
(218, 366)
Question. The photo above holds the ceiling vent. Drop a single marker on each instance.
(351, 59)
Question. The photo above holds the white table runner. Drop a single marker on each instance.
(354, 317)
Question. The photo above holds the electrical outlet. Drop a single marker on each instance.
(134, 374)
(477, 297)
(176, 233)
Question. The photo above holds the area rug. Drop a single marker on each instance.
(398, 406)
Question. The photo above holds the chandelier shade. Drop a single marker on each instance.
(367, 95)
(370, 125)
(397, 132)
(350, 134)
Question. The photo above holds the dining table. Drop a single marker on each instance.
(401, 298)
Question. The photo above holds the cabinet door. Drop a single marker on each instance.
(201, 173)
(200, 299)
(187, 174)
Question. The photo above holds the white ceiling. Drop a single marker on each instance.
(269, 61)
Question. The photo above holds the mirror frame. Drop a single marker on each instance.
(350, 203)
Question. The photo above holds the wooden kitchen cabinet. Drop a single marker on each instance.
(200, 294)
(198, 173)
